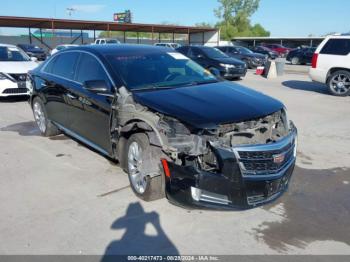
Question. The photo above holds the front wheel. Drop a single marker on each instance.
(295, 61)
(40, 115)
(144, 186)
(339, 83)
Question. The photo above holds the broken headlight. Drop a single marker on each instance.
(178, 135)
(171, 127)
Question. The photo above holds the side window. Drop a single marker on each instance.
(97, 42)
(183, 50)
(195, 52)
(48, 68)
(103, 42)
(336, 47)
(90, 69)
(64, 65)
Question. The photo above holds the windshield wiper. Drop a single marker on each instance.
(165, 86)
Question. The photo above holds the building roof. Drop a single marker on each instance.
(279, 38)
(53, 23)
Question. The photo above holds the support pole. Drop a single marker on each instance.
(82, 37)
(94, 35)
(30, 36)
(108, 31)
(152, 35)
(203, 41)
(188, 36)
(159, 37)
(173, 37)
(41, 35)
(124, 37)
(138, 38)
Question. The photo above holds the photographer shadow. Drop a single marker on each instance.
(135, 241)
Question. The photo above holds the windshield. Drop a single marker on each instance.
(12, 54)
(214, 53)
(111, 41)
(157, 70)
(244, 50)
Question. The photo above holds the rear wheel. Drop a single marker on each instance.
(339, 83)
(295, 61)
(144, 186)
(45, 126)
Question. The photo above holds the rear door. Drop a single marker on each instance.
(57, 79)
(90, 116)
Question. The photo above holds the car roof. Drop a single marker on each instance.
(110, 49)
(7, 45)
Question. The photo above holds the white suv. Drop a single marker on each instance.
(331, 64)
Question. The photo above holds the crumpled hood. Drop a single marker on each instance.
(17, 67)
(206, 106)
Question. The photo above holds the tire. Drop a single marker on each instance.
(339, 83)
(295, 60)
(40, 115)
(142, 184)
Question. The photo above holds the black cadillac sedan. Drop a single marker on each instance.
(176, 129)
(215, 60)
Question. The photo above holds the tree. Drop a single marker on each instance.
(234, 18)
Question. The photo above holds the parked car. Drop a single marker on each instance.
(176, 129)
(61, 47)
(265, 51)
(106, 41)
(301, 56)
(215, 60)
(253, 60)
(331, 64)
(33, 51)
(14, 65)
(170, 45)
(280, 49)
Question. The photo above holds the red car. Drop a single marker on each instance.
(280, 49)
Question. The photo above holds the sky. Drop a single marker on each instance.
(283, 18)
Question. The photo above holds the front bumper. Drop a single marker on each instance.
(248, 176)
(13, 88)
(229, 73)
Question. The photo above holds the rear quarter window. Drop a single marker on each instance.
(336, 47)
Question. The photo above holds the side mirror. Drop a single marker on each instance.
(34, 59)
(215, 72)
(96, 86)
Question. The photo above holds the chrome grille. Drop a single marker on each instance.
(266, 160)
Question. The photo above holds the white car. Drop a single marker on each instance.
(331, 64)
(106, 41)
(61, 47)
(170, 45)
(14, 66)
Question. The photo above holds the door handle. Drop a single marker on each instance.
(71, 96)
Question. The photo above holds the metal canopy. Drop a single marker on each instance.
(51, 23)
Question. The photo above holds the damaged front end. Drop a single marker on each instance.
(238, 165)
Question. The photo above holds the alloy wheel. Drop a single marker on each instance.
(137, 176)
(39, 117)
(340, 84)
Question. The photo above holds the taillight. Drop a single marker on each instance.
(314, 60)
